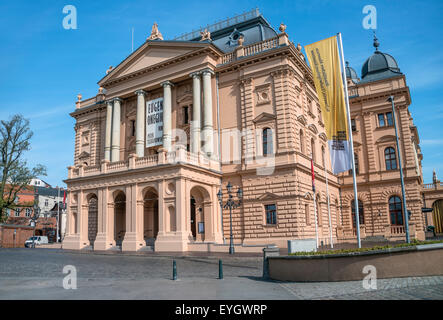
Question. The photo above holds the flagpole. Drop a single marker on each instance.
(329, 207)
(315, 203)
(351, 149)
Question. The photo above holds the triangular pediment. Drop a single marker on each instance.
(264, 116)
(268, 196)
(153, 54)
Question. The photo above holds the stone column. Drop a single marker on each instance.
(103, 240)
(108, 130)
(167, 115)
(115, 148)
(196, 111)
(140, 124)
(207, 113)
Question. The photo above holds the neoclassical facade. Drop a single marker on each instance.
(178, 120)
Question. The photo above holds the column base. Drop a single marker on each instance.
(101, 243)
(73, 242)
(172, 242)
(130, 242)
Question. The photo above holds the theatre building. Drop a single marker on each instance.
(178, 120)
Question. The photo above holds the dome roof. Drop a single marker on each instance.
(379, 66)
(351, 74)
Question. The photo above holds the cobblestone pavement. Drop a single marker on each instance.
(37, 274)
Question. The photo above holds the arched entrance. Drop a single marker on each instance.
(201, 207)
(150, 216)
(120, 218)
(92, 218)
(437, 215)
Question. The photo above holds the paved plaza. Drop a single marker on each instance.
(38, 274)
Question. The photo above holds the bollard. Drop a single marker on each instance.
(174, 270)
(220, 269)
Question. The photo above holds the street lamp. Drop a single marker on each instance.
(230, 204)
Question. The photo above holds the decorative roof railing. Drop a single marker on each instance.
(220, 25)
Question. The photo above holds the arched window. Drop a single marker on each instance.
(267, 141)
(360, 213)
(302, 144)
(395, 210)
(390, 159)
(308, 220)
(313, 149)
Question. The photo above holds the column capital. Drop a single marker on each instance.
(167, 84)
(141, 92)
(195, 74)
(206, 71)
(109, 101)
(117, 99)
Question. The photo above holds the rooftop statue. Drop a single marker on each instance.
(206, 35)
(155, 34)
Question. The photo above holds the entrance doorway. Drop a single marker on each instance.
(120, 218)
(150, 217)
(193, 224)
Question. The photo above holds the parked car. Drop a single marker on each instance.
(37, 240)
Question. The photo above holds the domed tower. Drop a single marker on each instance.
(351, 75)
(379, 66)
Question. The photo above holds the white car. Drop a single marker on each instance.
(37, 240)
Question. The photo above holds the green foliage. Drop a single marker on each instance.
(15, 136)
(413, 243)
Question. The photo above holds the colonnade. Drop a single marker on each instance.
(200, 130)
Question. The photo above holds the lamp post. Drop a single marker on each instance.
(230, 204)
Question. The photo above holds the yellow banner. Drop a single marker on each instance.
(325, 64)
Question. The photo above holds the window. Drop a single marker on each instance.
(28, 212)
(46, 202)
(385, 119)
(390, 159)
(381, 119)
(353, 126)
(17, 212)
(356, 163)
(389, 120)
(395, 210)
(313, 149)
(360, 213)
(302, 145)
(133, 128)
(308, 220)
(323, 162)
(319, 215)
(185, 115)
(271, 214)
(267, 141)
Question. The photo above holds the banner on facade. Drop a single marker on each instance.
(154, 122)
(325, 64)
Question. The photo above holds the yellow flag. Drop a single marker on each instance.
(325, 64)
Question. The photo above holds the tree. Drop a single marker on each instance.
(15, 136)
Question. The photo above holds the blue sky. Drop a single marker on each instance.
(43, 66)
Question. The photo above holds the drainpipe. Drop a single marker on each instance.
(219, 152)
